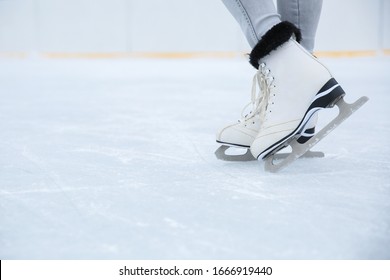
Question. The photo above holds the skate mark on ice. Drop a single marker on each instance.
(51, 177)
(244, 186)
(9, 193)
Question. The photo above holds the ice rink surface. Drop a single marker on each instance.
(114, 159)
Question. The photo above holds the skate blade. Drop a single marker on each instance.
(220, 153)
(345, 111)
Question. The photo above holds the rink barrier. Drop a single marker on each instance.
(159, 55)
(20, 55)
(346, 53)
(173, 55)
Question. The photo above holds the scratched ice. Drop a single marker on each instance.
(113, 159)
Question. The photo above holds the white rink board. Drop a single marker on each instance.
(171, 26)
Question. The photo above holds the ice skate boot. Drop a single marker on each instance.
(300, 87)
(242, 134)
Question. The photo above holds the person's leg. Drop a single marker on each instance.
(304, 14)
(255, 17)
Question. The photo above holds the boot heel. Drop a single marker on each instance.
(328, 95)
(335, 95)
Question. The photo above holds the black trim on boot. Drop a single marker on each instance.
(274, 38)
(304, 139)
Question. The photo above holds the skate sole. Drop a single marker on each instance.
(232, 144)
(220, 153)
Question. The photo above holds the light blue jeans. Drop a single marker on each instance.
(256, 17)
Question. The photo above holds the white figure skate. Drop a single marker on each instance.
(297, 86)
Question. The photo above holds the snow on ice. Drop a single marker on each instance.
(114, 159)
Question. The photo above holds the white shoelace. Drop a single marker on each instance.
(259, 99)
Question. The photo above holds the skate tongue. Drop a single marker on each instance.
(256, 98)
(261, 88)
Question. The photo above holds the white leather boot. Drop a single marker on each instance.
(243, 133)
(296, 86)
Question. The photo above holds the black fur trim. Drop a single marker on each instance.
(274, 38)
